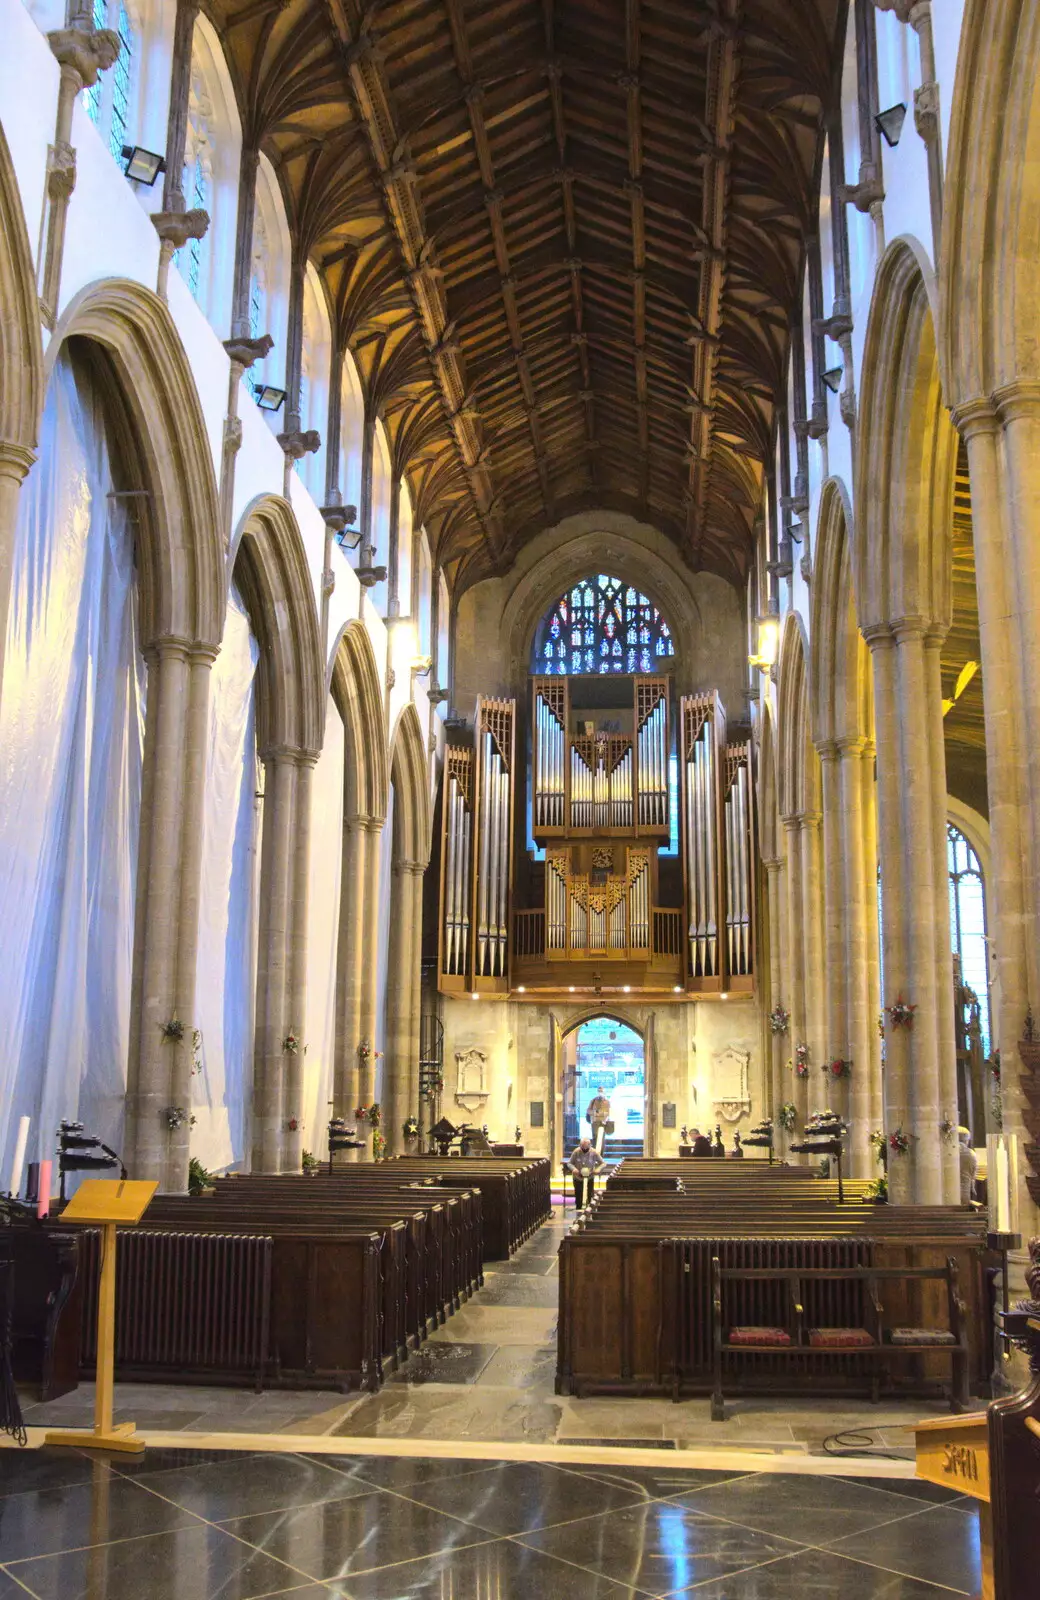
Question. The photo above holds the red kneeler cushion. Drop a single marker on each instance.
(777, 1336)
(839, 1338)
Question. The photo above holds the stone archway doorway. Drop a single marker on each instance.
(602, 1052)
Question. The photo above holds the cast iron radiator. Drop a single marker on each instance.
(195, 1303)
(827, 1304)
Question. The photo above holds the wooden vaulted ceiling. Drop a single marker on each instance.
(562, 237)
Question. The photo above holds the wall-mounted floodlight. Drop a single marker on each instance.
(268, 398)
(832, 378)
(768, 643)
(422, 666)
(890, 123)
(348, 538)
(144, 166)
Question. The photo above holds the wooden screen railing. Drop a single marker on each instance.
(528, 933)
(667, 932)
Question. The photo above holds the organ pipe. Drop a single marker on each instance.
(702, 721)
(455, 863)
(739, 857)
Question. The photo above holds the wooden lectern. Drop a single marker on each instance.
(106, 1203)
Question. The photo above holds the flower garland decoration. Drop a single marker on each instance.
(879, 1144)
(411, 1128)
(779, 1020)
(370, 1114)
(901, 1013)
(801, 1060)
(174, 1029)
(365, 1053)
(291, 1044)
(881, 1025)
(947, 1130)
(838, 1068)
(787, 1115)
(292, 1124)
(176, 1116)
(378, 1147)
(899, 1142)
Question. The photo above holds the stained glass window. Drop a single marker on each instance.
(121, 80)
(968, 922)
(602, 625)
(199, 201)
(92, 96)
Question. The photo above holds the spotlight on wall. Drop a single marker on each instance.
(832, 378)
(348, 538)
(677, 988)
(521, 988)
(890, 123)
(474, 997)
(267, 397)
(144, 166)
(768, 643)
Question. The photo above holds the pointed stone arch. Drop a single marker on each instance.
(179, 555)
(842, 691)
(411, 777)
(21, 348)
(270, 565)
(798, 776)
(906, 453)
(990, 299)
(354, 686)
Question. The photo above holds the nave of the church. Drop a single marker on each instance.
(519, 839)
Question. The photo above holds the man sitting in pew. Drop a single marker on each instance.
(699, 1142)
(585, 1163)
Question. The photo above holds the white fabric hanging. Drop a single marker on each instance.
(71, 741)
(226, 967)
(323, 934)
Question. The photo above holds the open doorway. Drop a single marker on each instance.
(603, 1055)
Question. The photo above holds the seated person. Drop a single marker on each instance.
(700, 1142)
(585, 1163)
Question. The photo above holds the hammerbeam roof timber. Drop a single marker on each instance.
(566, 234)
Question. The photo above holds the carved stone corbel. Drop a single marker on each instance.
(175, 228)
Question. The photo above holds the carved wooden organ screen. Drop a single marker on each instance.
(477, 853)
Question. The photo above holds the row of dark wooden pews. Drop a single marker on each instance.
(636, 1283)
(329, 1280)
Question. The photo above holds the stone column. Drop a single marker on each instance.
(862, 1001)
(942, 937)
(272, 1025)
(778, 1042)
(797, 1089)
(926, 912)
(175, 224)
(835, 921)
(15, 461)
(869, 844)
(398, 1002)
(894, 889)
(813, 978)
(293, 1141)
(167, 909)
(82, 52)
(368, 988)
(417, 876)
(393, 558)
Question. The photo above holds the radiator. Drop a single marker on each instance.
(185, 1302)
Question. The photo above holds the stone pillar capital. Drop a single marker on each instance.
(1018, 400)
(15, 460)
(975, 417)
(827, 749)
(853, 744)
(167, 647)
(878, 635)
(773, 864)
(809, 820)
(907, 629)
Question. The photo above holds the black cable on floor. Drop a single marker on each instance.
(856, 1444)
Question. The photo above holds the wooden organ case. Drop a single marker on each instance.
(477, 824)
(608, 761)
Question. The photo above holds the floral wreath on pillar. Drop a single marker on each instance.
(838, 1068)
(901, 1013)
(800, 1064)
(900, 1142)
(365, 1053)
(787, 1115)
(779, 1020)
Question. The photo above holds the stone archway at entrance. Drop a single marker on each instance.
(600, 1049)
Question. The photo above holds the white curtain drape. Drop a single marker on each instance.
(323, 933)
(71, 740)
(226, 969)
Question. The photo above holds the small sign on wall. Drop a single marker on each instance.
(537, 1117)
(668, 1114)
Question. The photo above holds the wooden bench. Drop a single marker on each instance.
(865, 1340)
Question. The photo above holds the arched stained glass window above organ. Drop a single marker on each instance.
(600, 625)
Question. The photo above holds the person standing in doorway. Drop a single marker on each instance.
(585, 1163)
(597, 1116)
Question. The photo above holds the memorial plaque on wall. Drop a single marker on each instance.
(668, 1114)
(537, 1117)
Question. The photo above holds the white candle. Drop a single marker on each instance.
(15, 1184)
(1003, 1197)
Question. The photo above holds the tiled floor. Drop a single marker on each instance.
(183, 1525)
(488, 1377)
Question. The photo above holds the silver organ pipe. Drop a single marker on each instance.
(702, 857)
(738, 849)
(652, 753)
(550, 741)
(456, 872)
(556, 903)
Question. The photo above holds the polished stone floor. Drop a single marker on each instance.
(487, 1377)
(202, 1525)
